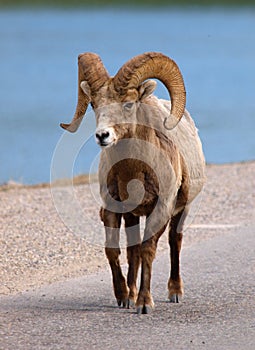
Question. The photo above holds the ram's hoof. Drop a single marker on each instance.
(174, 298)
(145, 309)
(123, 303)
(131, 304)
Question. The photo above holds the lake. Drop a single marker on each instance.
(214, 48)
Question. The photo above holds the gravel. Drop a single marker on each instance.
(38, 246)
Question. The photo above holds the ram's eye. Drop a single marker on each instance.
(128, 105)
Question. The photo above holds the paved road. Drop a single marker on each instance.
(217, 311)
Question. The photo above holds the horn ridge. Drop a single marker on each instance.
(91, 69)
(158, 66)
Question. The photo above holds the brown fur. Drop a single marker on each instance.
(118, 178)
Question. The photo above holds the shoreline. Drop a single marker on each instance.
(37, 248)
(84, 179)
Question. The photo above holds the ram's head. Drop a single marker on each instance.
(115, 99)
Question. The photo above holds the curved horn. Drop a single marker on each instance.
(91, 69)
(158, 66)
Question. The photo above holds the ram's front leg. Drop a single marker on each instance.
(153, 230)
(133, 254)
(112, 223)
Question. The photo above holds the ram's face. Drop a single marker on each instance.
(116, 115)
(115, 121)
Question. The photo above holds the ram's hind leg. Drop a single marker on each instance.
(175, 284)
(112, 222)
(133, 254)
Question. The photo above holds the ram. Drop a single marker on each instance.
(151, 165)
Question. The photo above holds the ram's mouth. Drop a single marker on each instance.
(105, 144)
(109, 144)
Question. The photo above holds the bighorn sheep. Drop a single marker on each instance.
(146, 141)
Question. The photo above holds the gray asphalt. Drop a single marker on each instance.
(217, 311)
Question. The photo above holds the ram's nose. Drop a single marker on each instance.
(104, 137)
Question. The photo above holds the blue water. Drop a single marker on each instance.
(215, 49)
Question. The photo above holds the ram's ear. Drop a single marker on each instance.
(86, 88)
(146, 89)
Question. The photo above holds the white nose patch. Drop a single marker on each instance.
(105, 136)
